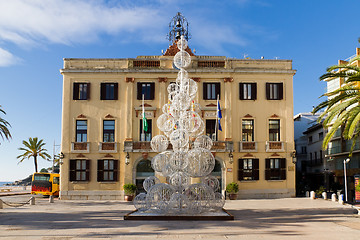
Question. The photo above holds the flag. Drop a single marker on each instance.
(144, 122)
(219, 116)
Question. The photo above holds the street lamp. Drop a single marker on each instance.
(345, 162)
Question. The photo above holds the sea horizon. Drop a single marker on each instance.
(4, 182)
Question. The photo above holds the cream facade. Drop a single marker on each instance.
(101, 122)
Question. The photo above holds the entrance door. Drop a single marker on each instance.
(218, 173)
(143, 170)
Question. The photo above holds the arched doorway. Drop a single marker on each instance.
(143, 170)
(218, 173)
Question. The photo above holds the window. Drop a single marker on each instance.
(321, 136)
(310, 139)
(303, 149)
(79, 170)
(248, 169)
(146, 88)
(146, 136)
(107, 170)
(81, 91)
(81, 130)
(274, 91)
(274, 130)
(210, 129)
(248, 130)
(109, 91)
(211, 91)
(275, 169)
(41, 177)
(247, 91)
(109, 131)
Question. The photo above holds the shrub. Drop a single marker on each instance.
(232, 188)
(129, 189)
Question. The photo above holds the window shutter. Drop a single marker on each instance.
(152, 91)
(75, 91)
(255, 171)
(116, 90)
(253, 91)
(241, 170)
(217, 90)
(281, 91)
(88, 91)
(139, 88)
(283, 174)
(72, 170)
(241, 91)
(116, 170)
(267, 169)
(282, 162)
(102, 91)
(205, 91)
(100, 172)
(268, 91)
(87, 170)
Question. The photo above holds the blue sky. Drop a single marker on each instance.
(35, 36)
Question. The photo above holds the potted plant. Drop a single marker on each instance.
(129, 190)
(232, 189)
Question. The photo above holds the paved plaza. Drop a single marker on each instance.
(290, 218)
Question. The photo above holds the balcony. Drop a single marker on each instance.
(80, 147)
(108, 147)
(218, 146)
(248, 146)
(275, 146)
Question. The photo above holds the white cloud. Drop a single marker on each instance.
(6, 58)
(69, 21)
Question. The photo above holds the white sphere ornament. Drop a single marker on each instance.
(182, 44)
(201, 162)
(140, 202)
(203, 141)
(182, 59)
(158, 162)
(149, 182)
(159, 143)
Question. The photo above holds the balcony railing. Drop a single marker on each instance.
(275, 146)
(80, 147)
(248, 146)
(108, 147)
(218, 146)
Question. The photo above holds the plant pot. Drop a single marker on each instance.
(232, 196)
(129, 198)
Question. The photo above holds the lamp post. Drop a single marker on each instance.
(345, 162)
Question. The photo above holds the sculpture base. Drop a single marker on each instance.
(209, 216)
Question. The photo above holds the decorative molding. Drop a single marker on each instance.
(109, 116)
(109, 156)
(275, 155)
(129, 79)
(146, 105)
(211, 105)
(228, 139)
(196, 79)
(274, 116)
(228, 79)
(80, 155)
(248, 155)
(162, 79)
(248, 116)
(81, 116)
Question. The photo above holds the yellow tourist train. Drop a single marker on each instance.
(46, 184)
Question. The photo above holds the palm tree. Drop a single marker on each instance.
(342, 108)
(33, 148)
(4, 127)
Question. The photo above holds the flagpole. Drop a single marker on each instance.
(143, 114)
(217, 115)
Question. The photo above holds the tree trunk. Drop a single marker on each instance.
(35, 163)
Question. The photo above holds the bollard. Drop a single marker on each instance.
(341, 199)
(307, 194)
(312, 195)
(1, 204)
(51, 199)
(324, 195)
(32, 201)
(333, 197)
